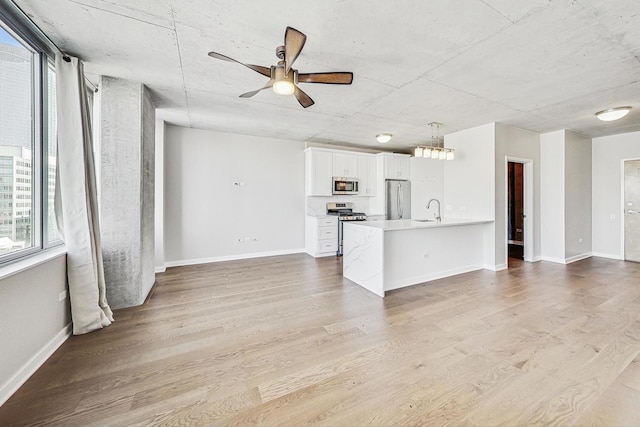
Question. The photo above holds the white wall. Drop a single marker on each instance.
(469, 182)
(33, 323)
(516, 143)
(566, 196)
(469, 187)
(552, 195)
(427, 182)
(608, 153)
(206, 213)
(577, 190)
(159, 197)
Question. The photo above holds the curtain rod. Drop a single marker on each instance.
(23, 25)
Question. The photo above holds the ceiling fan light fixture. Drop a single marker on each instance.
(383, 138)
(612, 114)
(284, 87)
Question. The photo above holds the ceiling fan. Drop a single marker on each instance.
(284, 79)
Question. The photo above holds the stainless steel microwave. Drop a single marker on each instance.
(345, 185)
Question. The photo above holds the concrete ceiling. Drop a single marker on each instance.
(536, 64)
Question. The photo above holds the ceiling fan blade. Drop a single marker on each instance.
(342, 78)
(303, 98)
(250, 94)
(293, 43)
(265, 71)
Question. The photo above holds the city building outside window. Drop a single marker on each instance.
(27, 147)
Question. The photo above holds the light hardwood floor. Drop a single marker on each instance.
(287, 341)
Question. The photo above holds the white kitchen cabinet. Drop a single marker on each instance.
(396, 166)
(321, 236)
(367, 175)
(319, 164)
(345, 165)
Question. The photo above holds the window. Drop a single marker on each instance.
(27, 145)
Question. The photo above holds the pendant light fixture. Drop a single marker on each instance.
(434, 150)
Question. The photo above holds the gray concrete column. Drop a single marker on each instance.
(126, 181)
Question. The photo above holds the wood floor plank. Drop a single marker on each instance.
(288, 341)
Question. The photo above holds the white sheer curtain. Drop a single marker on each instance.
(77, 201)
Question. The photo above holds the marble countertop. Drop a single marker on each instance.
(409, 224)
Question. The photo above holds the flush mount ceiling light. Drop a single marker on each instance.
(434, 150)
(613, 114)
(383, 137)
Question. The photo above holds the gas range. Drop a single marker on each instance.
(344, 212)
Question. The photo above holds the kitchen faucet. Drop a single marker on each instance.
(438, 218)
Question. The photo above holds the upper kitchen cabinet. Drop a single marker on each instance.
(319, 165)
(345, 165)
(367, 171)
(396, 166)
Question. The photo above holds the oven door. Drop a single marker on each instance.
(345, 186)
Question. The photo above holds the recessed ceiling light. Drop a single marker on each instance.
(383, 137)
(613, 113)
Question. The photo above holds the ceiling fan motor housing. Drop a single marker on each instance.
(278, 74)
(280, 52)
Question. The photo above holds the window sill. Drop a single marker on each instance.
(31, 261)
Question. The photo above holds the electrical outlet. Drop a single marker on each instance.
(425, 256)
(62, 296)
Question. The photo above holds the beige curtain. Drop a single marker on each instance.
(77, 201)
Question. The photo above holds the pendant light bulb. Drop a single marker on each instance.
(418, 152)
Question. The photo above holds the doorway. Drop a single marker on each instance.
(518, 212)
(515, 210)
(632, 210)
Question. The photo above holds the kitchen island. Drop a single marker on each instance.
(385, 255)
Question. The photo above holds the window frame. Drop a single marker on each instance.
(17, 24)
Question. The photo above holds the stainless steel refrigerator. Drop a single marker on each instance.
(398, 199)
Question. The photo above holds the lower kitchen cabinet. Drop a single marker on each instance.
(321, 236)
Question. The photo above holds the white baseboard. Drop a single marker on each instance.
(497, 267)
(578, 258)
(32, 365)
(551, 259)
(183, 262)
(610, 256)
(534, 259)
(161, 269)
(568, 260)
